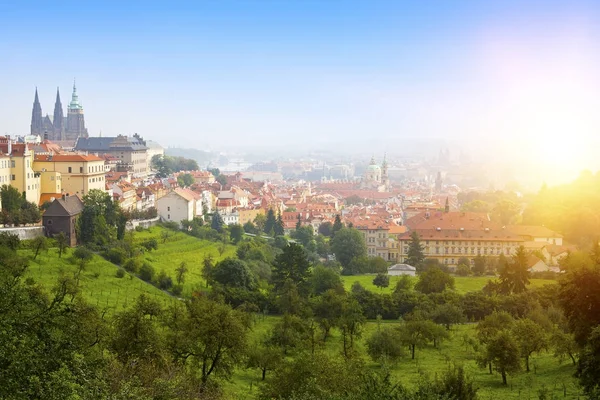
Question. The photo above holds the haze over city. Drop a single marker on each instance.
(508, 82)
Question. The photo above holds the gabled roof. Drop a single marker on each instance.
(67, 207)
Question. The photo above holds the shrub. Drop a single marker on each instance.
(120, 273)
(147, 272)
(171, 225)
(164, 281)
(463, 270)
(133, 265)
(150, 244)
(177, 289)
(96, 275)
(139, 228)
(116, 255)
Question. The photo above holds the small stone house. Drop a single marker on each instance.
(61, 216)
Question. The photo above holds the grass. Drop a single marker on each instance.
(98, 282)
(181, 247)
(547, 372)
(463, 284)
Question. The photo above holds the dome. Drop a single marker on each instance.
(374, 168)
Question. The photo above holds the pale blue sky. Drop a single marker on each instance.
(308, 73)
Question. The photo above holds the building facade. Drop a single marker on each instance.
(77, 173)
(129, 150)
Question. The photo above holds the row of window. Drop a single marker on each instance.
(465, 250)
(98, 179)
(463, 243)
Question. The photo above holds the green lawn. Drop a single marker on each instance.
(99, 283)
(463, 284)
(181, 247)
(547, 372)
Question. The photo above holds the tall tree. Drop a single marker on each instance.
(180, 272)
(415, 255)
(278, 229)
(216, 222)
(514, 276)
(207, 269)
(236, 231)
(234, 273)
(337, 225)
(292, 265)
(270, 222)
(348, 244)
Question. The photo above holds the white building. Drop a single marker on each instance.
(176, 206)
(402, 269)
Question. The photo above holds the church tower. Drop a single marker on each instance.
(37, 123)
(58, 121)
(385, 179)
(75, 121)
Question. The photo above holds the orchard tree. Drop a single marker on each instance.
(324, 279)
(383, 345)
(503, 352)
(62, 242)
(530, 338)
(434, 280)
(207, 269)
(350, 324)
(37, 244)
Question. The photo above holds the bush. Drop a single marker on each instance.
(150, 244)
(384, 346)
(463, 270)
(171, 225)
(116, 255)
(133, 265)
(147, 272)
(139, 228)
(120, 273)
(177, 289)
(164, 281)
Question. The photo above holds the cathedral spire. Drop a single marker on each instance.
(58, 120)
(74, 104)
(36, 116)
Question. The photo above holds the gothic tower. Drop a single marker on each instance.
(37, 124)
(75, 121)
(58, 121)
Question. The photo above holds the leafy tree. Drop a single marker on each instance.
(530, 338)
(434, 281)
(147, 272)
(404, 283)
(564, 345)
(289, 333)
(588, 369)
(323, 248)
(381, 281)
(304, 234)
(209, 336)
(270, 222)
(62, 242)
(327, 310)
(235, 233)
(416, 333)
(505, 212)
(488, 328)
(98, 221)
(503, 352)
(216, 222)
(463, 270)
(292, 265)
(350, 324)
(207, 269)
(37, 244)
(323, 279)
(514, 277)
(415, 251)
(249, 227)
(479, 265)
(326, 228)
(384, 346)
(264, 357)
(234, 273)
(164, 281)
(184, 180)
(10, 241)
(180, 272)
(260, 222)
(448, 314)
(348, 244)
(337, 225)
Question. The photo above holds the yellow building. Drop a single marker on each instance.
(375, 232)
(4, 171)
(77, 173)
(249, 214)
(22, 175)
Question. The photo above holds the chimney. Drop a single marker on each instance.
(9, 145)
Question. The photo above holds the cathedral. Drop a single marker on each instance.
(59, 127)
(376, 177)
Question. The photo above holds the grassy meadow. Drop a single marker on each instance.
(181, 247)
(99, 283)
(463, 284)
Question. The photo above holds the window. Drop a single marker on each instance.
(12, 177)
(51, 178)
(168, 216)
(12, 163)
(168, 208)
(70, 169)
(81, 170)
(49, 222)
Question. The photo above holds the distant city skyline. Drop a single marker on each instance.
(509, 79)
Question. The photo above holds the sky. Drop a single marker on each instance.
(499, 79)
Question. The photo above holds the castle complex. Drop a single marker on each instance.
(59, 127)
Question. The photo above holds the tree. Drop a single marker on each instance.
(514, 276)
(416, 333)
(564, 345)
(530, 338)
(588, 369)
(260, 221)
(348, 244)
(184, 180)
(233, 273)
(463, 270)
(264, 357)
(289, 333)
(337, 225)
(434, 280)
(216, 222)
(479, 265)
(381, 281)
(270, 222)
(99, 218)
(505, 212)
(279, 229)
(323, 279)
(207, 269)
(384, 346)
(180, 272)
(62, 242)
(210, 335)
(503, 352)
(292, 265)
(415, 251)
(39, 243)
(235, 233)
(350, 324)
(488, 328)
(326, 228)
(249, 227)
(304, 234)
(327, 310)
(448, 314)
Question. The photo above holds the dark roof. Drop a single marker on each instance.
(67, 207)
(105, 144)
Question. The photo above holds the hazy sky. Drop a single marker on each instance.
(354, 74)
